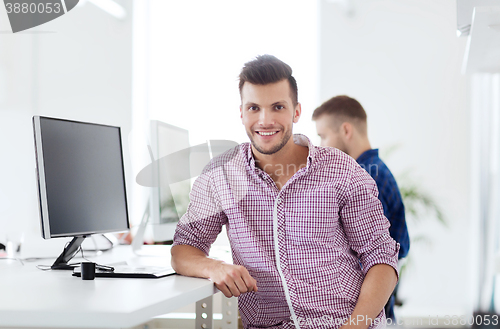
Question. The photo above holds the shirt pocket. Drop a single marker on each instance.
(321, 281)
(312, 219)
(350, 280)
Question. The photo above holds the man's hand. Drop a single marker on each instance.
(376, 289)
(232, 280)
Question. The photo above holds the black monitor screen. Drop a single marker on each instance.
(81, 178)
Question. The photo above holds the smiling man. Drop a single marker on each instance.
(310, 243)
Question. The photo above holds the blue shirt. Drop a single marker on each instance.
(389, 196)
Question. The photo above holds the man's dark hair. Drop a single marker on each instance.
(343, 108)
(267, 69)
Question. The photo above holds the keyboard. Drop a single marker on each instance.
(124, 271)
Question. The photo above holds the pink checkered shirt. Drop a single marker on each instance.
(308, 245)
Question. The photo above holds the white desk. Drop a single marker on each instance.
(30, 297)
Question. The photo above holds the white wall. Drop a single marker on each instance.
(402, 60)
(197, 50)
(78, 67)
(485, 187)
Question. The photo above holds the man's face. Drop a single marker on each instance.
(268, 114)
(327, 130)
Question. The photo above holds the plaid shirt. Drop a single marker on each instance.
(308, 245)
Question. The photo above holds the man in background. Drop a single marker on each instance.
(341, 123)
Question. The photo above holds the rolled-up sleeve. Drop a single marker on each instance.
(366, 227)
(204, 218)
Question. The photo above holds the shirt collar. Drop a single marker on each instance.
(367, 154)
(298, 139)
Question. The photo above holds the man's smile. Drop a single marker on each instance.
(267, 133)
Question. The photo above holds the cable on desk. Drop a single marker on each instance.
(80, 249)
(96, 248)
(98, 266)
(44, 267)
(33, 259)
(10, 258)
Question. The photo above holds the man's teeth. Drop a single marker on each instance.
(267, 133)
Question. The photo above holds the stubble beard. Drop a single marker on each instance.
(275, 149)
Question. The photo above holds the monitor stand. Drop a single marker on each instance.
(68, 253)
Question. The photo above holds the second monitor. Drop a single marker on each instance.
(168, 201)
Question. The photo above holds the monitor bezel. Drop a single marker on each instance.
(41, 184)
(162, 232)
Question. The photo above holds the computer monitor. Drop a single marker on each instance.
(80, 180)
(170, 196)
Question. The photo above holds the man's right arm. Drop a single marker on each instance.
(232, 280)
(195, 233)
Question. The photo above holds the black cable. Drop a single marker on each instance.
(98, 250)
(102, 250)
(98, 266)
(74, 265)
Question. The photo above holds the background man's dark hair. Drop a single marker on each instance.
(343, 108)
(267, 69)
